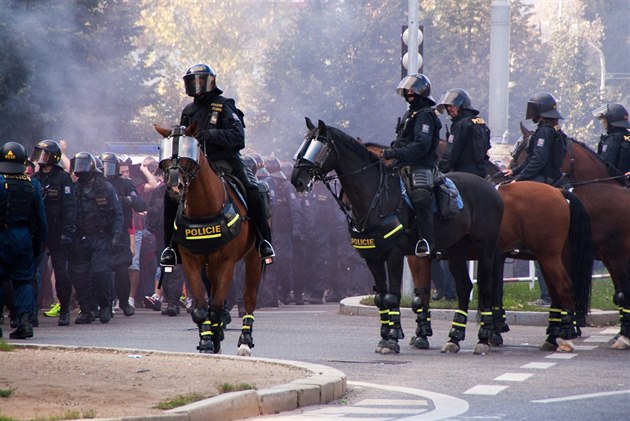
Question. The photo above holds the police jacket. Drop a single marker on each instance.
(129, 199)
(614, 148)
(417, 135)
(545, 154)
(98, 209)
(220, 128)
(59, 201)
(21, 205)
(467, 144)
(283, 208)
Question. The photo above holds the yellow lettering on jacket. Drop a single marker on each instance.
(477, 120)
(363, 243)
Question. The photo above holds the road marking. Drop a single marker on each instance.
(597, 339)
(369, 411)
(561, 356)
(609, 331)
(388, 402)
(539, 366)
(485, 389)
(585, 396)
(513, 377)
(585, 347)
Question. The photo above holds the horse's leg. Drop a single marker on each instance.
(395, 263)
(420, 271)
(253, 274)
(463, 285)
(192, 269)
(377, 268)
(488, 291)
(619, 270)
(498, 312)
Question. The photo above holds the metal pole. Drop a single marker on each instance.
(412, 49)
(499, 69)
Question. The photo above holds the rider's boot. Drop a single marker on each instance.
(259, 215)
(168, 258)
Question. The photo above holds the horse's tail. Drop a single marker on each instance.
(581, 253)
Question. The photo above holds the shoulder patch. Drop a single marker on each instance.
(540, 142)
(425, 128)
(626, 138)
(477, 120)
(67, 190)
(451, 137)
(216, 106)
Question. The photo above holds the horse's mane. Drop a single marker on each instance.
(357, 147)
(612, 170)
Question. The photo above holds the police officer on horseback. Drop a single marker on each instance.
(547, 146)
(415, 151)
(220, 131)
(469, 139)
(614, 145)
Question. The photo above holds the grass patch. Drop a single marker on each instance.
(181, 400)
(228, 387)
(5, 393)
(517, 294)
(73, 415)
(6, 347)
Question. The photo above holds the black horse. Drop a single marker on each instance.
(383, 231)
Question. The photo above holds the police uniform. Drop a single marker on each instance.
(22, 234)
(467, 144)
(545, 154)
(99, 224)
(300, 234)
(614, 148)
(60, 206)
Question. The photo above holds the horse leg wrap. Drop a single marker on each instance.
(199, 315)
(624, 321)
(205, 337)
(395, 328)
(486, 325)
(423, 318)
(458, 326)
(246, 331)
(554, 322)
(562, 324)
(216, 324)
(383, 314)
(500, 324)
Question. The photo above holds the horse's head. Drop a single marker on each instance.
(313, 160)
(519, 151)
(179, 156)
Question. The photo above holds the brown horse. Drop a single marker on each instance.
(213, 233)
(607, 201)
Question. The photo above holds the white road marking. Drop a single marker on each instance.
(485, 389)
(561, 356)
(369, 411)
(595, 338)
(585, 347)
(513, 377)
(610, 331)
(585, 396)
(539, 366)
(389, 402)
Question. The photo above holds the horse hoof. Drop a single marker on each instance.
(390, 347)
(481, 349)
(380, 346)
(566, 346)
(496, 340)
(419, 342)
(388, 351)
(547, 346)
(622, 342)
(450, 348)
(244, 351)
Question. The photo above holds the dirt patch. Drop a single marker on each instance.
(54, 382)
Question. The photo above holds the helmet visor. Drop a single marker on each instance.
(600, 112)
(448, 98)
(533, 110)
(405, 85)
(40, 156)
(110, 169)
(83, 165)
(197, 84)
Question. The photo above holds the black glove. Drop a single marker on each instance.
(66, 240)
(116, 240)
(125, 200)
(389, 153)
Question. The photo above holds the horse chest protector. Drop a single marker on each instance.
(374, 241)
(205, 235)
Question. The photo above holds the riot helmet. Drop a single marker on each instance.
(111, 164)
(83, 163)
(99, 163)
(615, 114)
(199, 79)
(456, 97)
(416, 84)
(542, 104)
(12, 158)
(272, 164)
(46, 152)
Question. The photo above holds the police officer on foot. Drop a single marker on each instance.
(99, 230)
(614, 145)
(417, 139)
(469, 140)
(220, 130)
(547, 146)
(22, 233)
(61, 209)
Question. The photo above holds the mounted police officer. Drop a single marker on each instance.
(614, 145)
(61, 210)
(22, 233)
(547, 145)
(417, 139)
(99, 230)
(220, 131)
(130, 201)
(469, 139)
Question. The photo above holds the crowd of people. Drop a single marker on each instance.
(92, 225)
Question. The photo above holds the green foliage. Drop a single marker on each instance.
(180, 400)
(228, 387)
(5, 393)
(5, 346)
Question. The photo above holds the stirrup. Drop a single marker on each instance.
(168, 259)
(422, 248)
(266, 251)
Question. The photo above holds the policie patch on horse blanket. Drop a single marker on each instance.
(374, 241)
(205, 235)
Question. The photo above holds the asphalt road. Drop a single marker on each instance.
(515, 382)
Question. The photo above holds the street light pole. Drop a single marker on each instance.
(412, 23)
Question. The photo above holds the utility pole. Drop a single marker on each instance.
(499, 69)
(412, 28)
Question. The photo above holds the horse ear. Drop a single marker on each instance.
(191, 130)
(309, 123)
(321, 126)
(524, 130)
(162, 130)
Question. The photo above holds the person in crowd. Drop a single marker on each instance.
(61, 208)
(468, 142)
(415, 152)
(221, 132)
(22, 236)
(614, 145)
(121, 256)
(99, 229)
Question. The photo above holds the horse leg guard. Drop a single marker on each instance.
(554, 330)
(395, 331)
(457, 333)
(206, 345)
(423, 324)
(211, 333)
(246, 337)
(486, 326)
(500, 326)
(383, 314)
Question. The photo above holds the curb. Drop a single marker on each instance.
(324, 385)
(352, 306)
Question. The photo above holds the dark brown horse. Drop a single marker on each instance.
(603, 193)
(213, 233)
